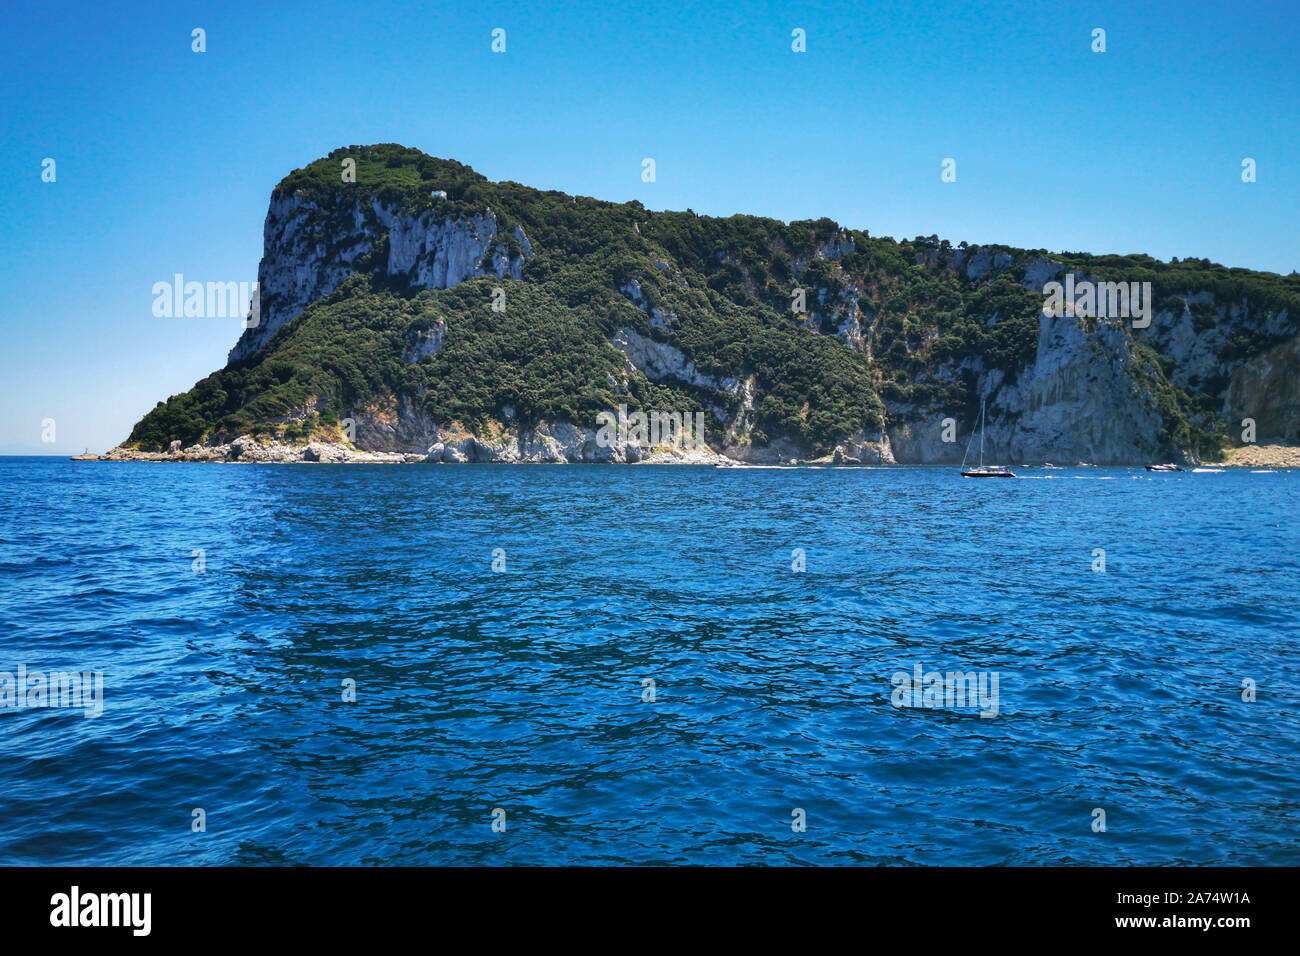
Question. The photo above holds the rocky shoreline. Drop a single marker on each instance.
(1262, 456)
(246, 450)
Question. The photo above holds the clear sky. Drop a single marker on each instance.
(166, 157)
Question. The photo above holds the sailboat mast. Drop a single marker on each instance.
(996, 471)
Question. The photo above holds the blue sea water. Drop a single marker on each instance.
(522, 689)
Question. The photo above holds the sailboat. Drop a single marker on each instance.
(993, 471)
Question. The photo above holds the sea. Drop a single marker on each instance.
(635, 665)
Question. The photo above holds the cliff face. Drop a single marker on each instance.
(1086, 396)
(1267, 389)
(310, 248)
(1078, 401)
(422, 311)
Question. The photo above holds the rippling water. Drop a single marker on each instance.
(522, 689)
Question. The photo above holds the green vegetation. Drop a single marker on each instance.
(1187, 421)
(889, 323)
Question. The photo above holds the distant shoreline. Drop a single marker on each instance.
(1250, 456)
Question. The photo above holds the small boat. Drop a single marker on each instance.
(1166, 467)
(992, 471)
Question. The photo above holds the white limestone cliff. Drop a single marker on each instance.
(308, 253)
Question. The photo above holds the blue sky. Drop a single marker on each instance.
(166, 157)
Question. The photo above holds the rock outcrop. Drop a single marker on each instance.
(1078, 401)
(309, 250)
(1266, 390)
(558, 443)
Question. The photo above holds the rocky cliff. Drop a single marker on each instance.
(422, 312)
(312, 246)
